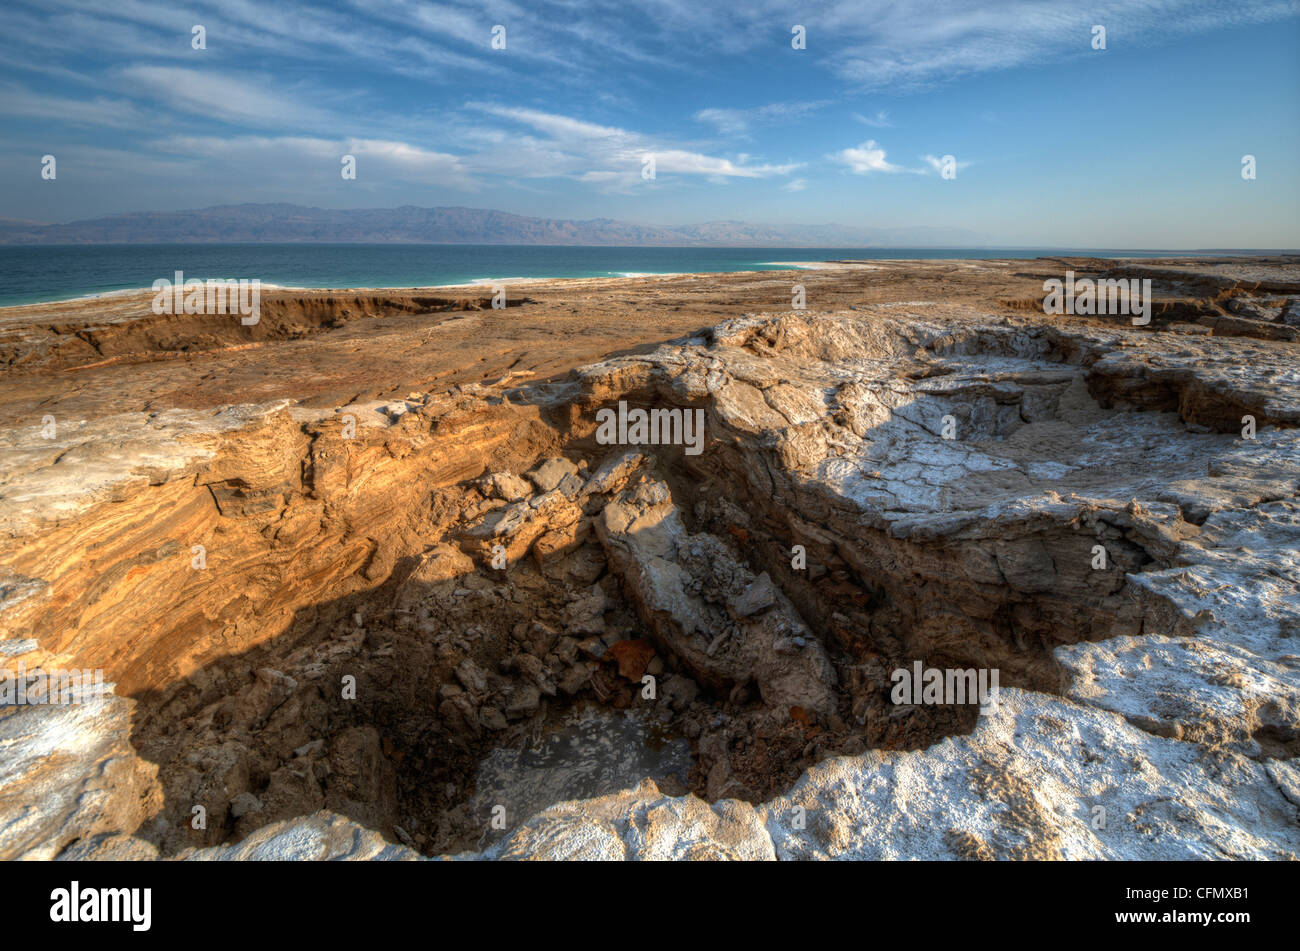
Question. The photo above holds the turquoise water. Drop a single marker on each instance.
(59, 272)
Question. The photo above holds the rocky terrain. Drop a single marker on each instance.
(369, 584)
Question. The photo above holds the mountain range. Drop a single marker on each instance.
(411, 225)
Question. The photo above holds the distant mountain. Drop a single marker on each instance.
(411, 225)
(740, 233)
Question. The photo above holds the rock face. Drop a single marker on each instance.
(682, 585)
(68, 771)
(1108, 518)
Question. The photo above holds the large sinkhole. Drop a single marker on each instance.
(654, 618)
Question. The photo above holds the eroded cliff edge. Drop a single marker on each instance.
(1161, 688)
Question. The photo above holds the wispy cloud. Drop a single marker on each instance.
(244, 99)
(286, 158)
(742, 121)
(19, 101)
(519, 144)
(925, 42)
(564, 146)
(863, 42)
(879, 121)
(937, 163)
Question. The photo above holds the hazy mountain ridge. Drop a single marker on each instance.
(449, 225)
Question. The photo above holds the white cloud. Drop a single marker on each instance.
(693, 163)
(866, 158)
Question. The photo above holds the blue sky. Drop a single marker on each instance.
(1057, 144)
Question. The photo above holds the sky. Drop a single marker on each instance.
(1053, 142)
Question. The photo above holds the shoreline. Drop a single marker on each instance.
(761, 267)
(126, 294)
(131, 292)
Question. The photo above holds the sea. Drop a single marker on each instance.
(38, 273)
